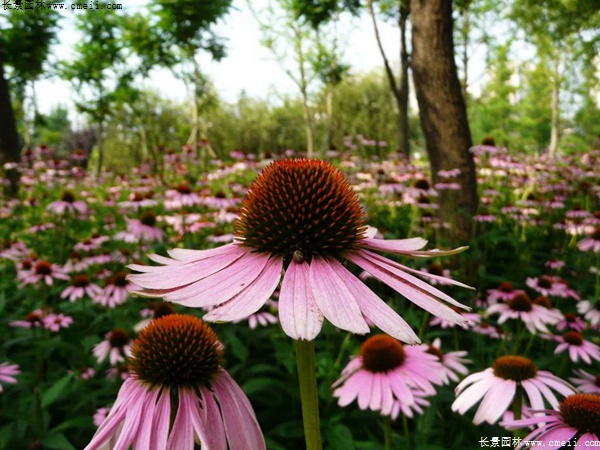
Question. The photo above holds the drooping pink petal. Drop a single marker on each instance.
(335, 301)
(466, 399)
(418, 292)
(183, 273)
(299, 314)
(182, 432)
(162, 421)
(130, 392)
(241, 427)
(375, 403)
(376, 310)
(495, 402)
(394, 245)
(222, 285)
(364, 395)
(143, 436)
(410, 247)
(210, 415)
(252, 298)
(533, 393)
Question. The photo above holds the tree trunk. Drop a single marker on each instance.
(400, 92)
(403, 91)
(10, 150)
(443, 113)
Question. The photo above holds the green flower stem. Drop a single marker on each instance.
(387, 432)
(307, 376)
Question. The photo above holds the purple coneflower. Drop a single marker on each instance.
(80, 286)
(41, 271)
(34, 319)
(300, 216)
(142, 230)
(178, 394)
(504, 292)
(68, 204)
(586, 382)
(8, 372)
(115, 290)
(453, 363)
(55, 322)
(591, 243)
(153, 312)
(115, 347)
(386, 372)
(577, 419)
(520, 307)
(590, 311)
(496, 387)
(578, 347)
(571, 322)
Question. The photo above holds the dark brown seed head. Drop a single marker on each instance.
(381, 353)
(506, 287)
(582, 412)
(118, 338)
(516, 368)
(81, 281)
(301, 205)
(148, 219)
(67, 197)
(43, 268)
(176, 351)
(542, 300)
(573, 338)
(520, 302)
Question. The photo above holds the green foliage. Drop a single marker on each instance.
(25, 40)
(318, 12)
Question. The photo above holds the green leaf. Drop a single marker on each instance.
(58, 441)
(340, 437)
(52, 394)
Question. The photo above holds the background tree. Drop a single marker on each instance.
(178, 32)
(400, 9)
(562, 32)
(99, 75)
(25, 40)
(442, 111)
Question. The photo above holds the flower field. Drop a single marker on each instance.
(418, 342)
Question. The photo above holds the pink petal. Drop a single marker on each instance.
(376, 310)
(212, 422)
(162, 418)
(466, 399)
(182, 433)
(336, 302)
(394, 245)
(223, 285)
(142, 438)
(495, 402)
(375, 403)
(534, 395)
(364, 395)
(251, 298)
(299, 314)
(241, 427)
(417, 292)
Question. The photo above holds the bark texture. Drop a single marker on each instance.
(10, 150)
(443, 112)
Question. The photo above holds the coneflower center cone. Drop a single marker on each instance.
(300, 208)
(148, 219)
(573, 338)
(176, 351)
(582, 411)
(381, 353)
(516, 368)
(520, 302)
(118, 338)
